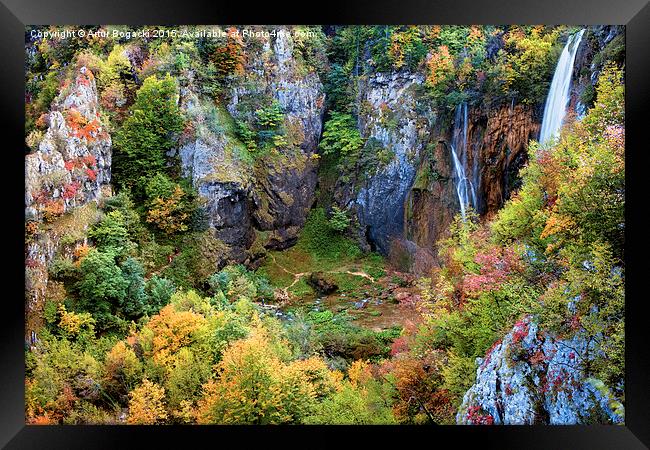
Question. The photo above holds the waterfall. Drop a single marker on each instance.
(558, 95)
(466, 182)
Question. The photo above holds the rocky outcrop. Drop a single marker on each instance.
(283, 197)
(284, 182)
(322, 284)
(245, 191)
(600, 44)
(273, 72)
(73, 160)
(221, 178)
(391, 117)
(533, 378)
(64, 180)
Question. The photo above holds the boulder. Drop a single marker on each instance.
(322, 284)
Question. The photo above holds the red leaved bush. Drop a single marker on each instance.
(520, 331)
(475, 416)
(70, 190)
(399, 345)
(496, 268)
(89, 160)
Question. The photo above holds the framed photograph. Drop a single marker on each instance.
(374, 221)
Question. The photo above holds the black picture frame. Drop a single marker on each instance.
(15, 14)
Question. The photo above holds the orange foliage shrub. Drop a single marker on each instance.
(359, 372)
(418, 383)
(43, 419)
(440, 65)
(255, 385)
(31, 230)
(229, 59)
(42, 121)
(52, 209)
(80, 252)
(81, 127)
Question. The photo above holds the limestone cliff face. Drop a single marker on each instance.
(285, 182)
(69, 173)
(432, 202)
(599, 44)
(221, 178)
(73, 160)
(246, 193)
(502, 148)
(411, 199)
(530, 378)
(391, 116)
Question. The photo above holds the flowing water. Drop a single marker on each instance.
(558, 95)
(465, 178)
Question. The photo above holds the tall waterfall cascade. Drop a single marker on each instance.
(558, 95)
(466, 178)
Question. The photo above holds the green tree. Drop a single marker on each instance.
(341, 136)
(354, 405)
(102, 286)
(337, 86)
(110, 232)
(147, 134)
(339, 220)
(134, 303)
(123, 203)
(159, 291)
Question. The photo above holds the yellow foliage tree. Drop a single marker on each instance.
(359, 373)
(255, 386)
(72, 324)
(122, 366)
(169, 214)
(440, 65)
(170, 330)
(147, 404)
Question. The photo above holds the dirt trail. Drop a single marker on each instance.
(298, 276)
(359, 274)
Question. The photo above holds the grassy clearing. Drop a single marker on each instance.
(360, 277)
(321, 249)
